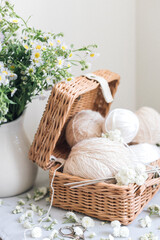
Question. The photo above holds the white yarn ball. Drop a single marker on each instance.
(149, 129)
(145, 152)
(125, 121)
(97, 158)
(85, 124)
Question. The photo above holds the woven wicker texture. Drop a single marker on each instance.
(104, 201)
(64, 102)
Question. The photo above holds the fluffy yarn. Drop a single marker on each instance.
(145, 152)
(97, 158)
(85, 124)
(124, 120)
(149, 129)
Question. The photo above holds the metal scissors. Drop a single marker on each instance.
(71, 233)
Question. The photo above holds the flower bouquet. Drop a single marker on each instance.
(32, 61)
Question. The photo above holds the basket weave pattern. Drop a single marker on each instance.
(65, 101)
(102, 200)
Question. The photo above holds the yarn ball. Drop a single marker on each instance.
(125, 121)
(149, 129)
(145, 152)
(85, 124)
(97, 158)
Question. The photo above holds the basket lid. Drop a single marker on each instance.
(65, 101)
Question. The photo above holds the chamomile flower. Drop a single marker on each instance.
(12, 76)
(64, 47)
(30, 70)
(25, 38)
(59, 41)
(38, 45)
(92, 55)
(26, 46)
(60, 62)
(51, 42)
(14, 20)
(49, 80)
(70, 55)
(69, 79)
(36, 54)
(5, 71)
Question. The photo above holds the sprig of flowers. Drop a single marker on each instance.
(154, 209)
(40, 193)
(149, 236)
(128, 175)
(119, 231)
(71, 218)
(145, 222)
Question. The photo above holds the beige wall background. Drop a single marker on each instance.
(148, 53)
(128, 36)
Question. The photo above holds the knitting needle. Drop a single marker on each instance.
(89, 182)
(86, 181)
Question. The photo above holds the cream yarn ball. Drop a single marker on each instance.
(125, 121)
(149, 129)
(145, 152)
(85, 124)
(97, 158)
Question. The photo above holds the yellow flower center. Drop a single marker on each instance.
(70, 55)
(0, 78)
(15, 21)
(5, 72)
(30, 70)
(26, 46)
(12, 67)
(37, 55)
(51, 44)
(60, 62)
(44, 48)
(69, 79)
(38, 47)
(63, 47)
(69, 65)
(59, 41)
(92, 55)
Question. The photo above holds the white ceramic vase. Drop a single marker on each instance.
(17, 172)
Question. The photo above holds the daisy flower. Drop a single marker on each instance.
(60, 62)
(38, 45)
(36, 54)
(59, 41)
(49, 80)
(92, 55)
(30, 70)
(64, 47)
(51, 42)
(26, 46)
(14, 20)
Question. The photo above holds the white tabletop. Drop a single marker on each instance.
(11, 229)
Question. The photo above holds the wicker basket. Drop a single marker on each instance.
(103, 201)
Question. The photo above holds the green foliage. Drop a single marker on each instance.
(32, 61)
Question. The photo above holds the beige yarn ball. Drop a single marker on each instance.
(97, 158)
(85, 124)
(149, 126)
